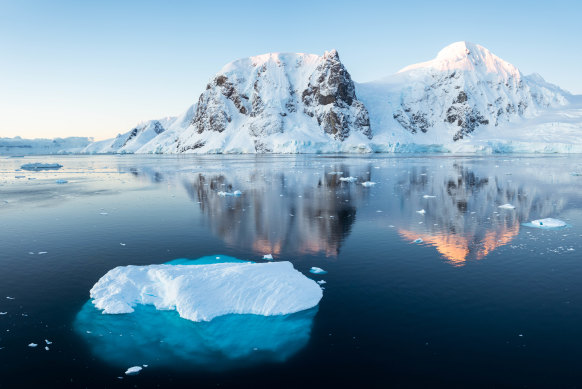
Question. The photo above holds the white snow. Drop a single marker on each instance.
(547, 223)
(317, 270)
(133, 370)
(506, 206)
(203, 292)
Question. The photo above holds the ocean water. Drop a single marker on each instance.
(429, 283)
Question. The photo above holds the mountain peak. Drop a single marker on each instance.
(467, 56)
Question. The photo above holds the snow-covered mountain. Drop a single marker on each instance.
(466, 99)
(464, 89)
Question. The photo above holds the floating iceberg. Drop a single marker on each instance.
(150, 335)
(547, 223)
(203, 292)
(268, 257)
(506, 206)
(317, 270)
(41, 166)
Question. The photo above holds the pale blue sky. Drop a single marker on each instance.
(96, 68)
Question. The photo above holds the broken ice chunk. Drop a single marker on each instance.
(418, 240)
(317, 270)
(348, 179)
(428, 197)
(547, 223)
(321, 282)
(32, 345)
(61, 181)
(368, 183)
(506, 206)
(422, 212)
(133, 370)
(268, 257)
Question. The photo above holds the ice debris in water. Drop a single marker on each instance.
(368, 183)
(428, 197)
(61, 181)
(321, 282)
(32, 345)
(317, 270)
(546, 223)
(41, 166)
(235, 193)
(203, 292)
(48, 341)
(268, 257)
(422, 212)
(3, 313)
(576, 174)
(133, 370)
(10, 298)
(336, 173)
(418, 240)
(348, 179)
(506, 206)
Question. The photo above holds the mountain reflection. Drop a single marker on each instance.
(300, 212)
(463, 220)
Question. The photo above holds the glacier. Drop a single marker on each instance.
(163, 338)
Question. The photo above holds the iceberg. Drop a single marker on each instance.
(547, 223)
(41, 166)
(150, 335)
(317, 270)
(203, 292)
(133, 370)
(268, 257)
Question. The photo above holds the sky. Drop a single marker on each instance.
(97, 68)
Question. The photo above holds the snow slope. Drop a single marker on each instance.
(203, 292)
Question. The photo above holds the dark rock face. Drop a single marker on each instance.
(330, 95)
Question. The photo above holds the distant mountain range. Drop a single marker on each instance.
(465, 100)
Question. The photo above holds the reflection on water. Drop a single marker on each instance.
(310, 210)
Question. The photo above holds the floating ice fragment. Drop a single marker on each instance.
(46, 348)
(547, 223)
(368, 183)
(41, 166)
(428, 197)
(336, 173)
(103, 213)
(42, 252)
(122, 244)
(32, 345)
(3, 313)
(48, 341)
(348, 179)
(133, 370)
(418, 240)
(235, 193)
(61, 181)
(321, 282)
(10, 298)
(317, 270)
(268, 257)
(506, 206)
(422, 212)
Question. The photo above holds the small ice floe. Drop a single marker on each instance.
(317, 270)
(32, 345)
(61, 181)
(42, 252)
(422, 212)
(133, 370)
(348, 179)
(41, 166)
(368, 183)
(321, 282)
(46, 348)
(507, 206)
(103, 213)
(428, 197)
(417, 240)
(3, 313)
(235, 193)
(122, 244)
(48, 341)
(10, 298)
(336, 173)
(548, 223)
(268, 257)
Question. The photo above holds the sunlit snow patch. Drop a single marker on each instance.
(161, 336)
(547, 223)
